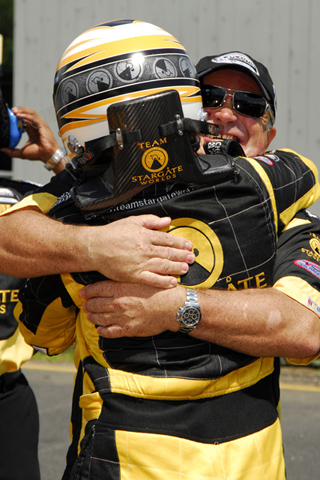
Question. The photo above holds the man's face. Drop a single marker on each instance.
(250, 132)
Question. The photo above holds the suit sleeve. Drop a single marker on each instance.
(291, 181)
(47, 315)
(46, 196)
(297, 266)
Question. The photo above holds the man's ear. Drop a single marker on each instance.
(271, 133)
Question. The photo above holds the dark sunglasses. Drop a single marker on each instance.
(246, 103)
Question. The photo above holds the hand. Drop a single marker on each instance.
(130, 310)
(131, 250)
(41, 144)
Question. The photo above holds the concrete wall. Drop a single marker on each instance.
(283, 34)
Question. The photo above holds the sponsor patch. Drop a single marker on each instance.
(311, 267)
(313, 305)
(268, 159)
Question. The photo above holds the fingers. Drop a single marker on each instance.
(163, 273)
(41, 144)
(171, 254)
(170, 240)
(153, 222)
(103, 321)
(112, 331)
(104, 329)
(124, 309)
(12, 152)
(98, 289)
(144, 255)
(28, 114)
(159, 281)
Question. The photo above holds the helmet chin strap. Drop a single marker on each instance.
(150, 143)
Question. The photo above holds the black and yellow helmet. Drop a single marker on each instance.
(114, 62)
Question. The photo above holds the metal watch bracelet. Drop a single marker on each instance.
(190, 314)
(55, 159)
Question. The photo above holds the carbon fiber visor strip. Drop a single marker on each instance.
(214, 420)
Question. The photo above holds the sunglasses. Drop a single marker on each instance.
(246, 103)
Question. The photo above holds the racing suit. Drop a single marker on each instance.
(172, 406)
(19, 416)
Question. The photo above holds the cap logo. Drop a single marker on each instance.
(237, 59)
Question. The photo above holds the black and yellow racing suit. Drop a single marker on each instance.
(172, 406)
(19, 417)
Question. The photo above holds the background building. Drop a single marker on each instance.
(283, 34)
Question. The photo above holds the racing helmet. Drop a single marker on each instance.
(114, 62)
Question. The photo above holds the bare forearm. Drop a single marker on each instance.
(32, 245)
(260, 322)
(128, 250)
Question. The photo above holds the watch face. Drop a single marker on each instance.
(190, 316)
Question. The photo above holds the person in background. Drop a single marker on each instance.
(41, 144)
(164, 387)
(19, 417)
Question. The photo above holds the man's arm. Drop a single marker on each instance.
(259, 322)
(128, 250)
(271, 321)
(33, 244)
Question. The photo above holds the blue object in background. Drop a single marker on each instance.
(16, 129)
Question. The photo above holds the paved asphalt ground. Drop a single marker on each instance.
(300, 393)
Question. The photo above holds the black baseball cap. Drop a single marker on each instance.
(245, 63)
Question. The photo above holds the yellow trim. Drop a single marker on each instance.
(296, 222)
(309, 198)
(117, 47)
(160, 388)
(41, 201)
(166, 388)
(14, 352)
(299, 290)
(311, 165)
(4, 207)
(73, 288)
(305, 201)
(302, 361)
(147, 455)
(187, 95)
(262, 173)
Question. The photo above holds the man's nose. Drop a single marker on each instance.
(224, 114)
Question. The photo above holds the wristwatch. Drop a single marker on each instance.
(190, 314)
(55, 159)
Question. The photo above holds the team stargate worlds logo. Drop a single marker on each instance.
(315, 246)
(155, 161)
